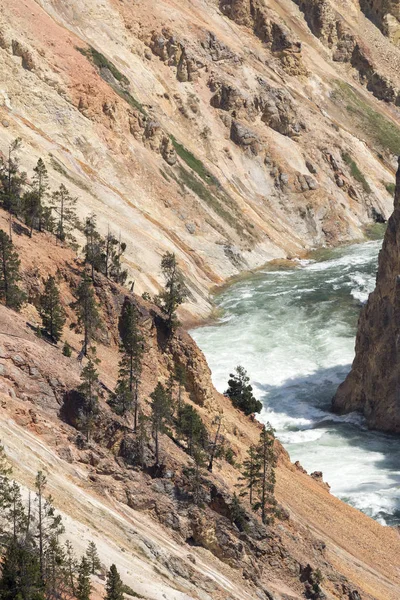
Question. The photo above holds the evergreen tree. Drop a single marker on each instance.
(55, 571)
(88, 389)
(84, 586)
(130, 366)
(87, 311)
(266, 475)
(114, 250)
(49, 524)
(241, 392)
(63, 205)
(5, 484)
(180, 378)
(51, 311)
(194, 473)
(12, 182)
(160, 415)
(175, 291)
(41, 188)
(191, 427)
(20, 573)
(141, 437)
(238, 514)
(93, 558)
(35, 213)
(114, 585)
(17, 518)
(71, 567)
(250, 473)
(12, 295)
(94, 249)
(216, 444)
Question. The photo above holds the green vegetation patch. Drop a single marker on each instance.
(390, 187)
(382, 130)
(356, 173)
(129, 99)
(101, 62)
(230, 216)
(194, 163)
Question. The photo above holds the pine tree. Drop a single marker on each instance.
(266, 475)
(49, 524)
(199, 460)
(5, 484)
(94, 249)
(250, 473)
(89, 390)
(12, 295)
(35, 213)
(55, 571)
(41, 187)
(160, 415)
(175, 291)
(71, 566)
(20, 574)
(241, 392)
(238, 514)
(63, 205)
(17, 517)
(114, 250)
(93, 558)
(87, 311)
(191, 427)
(180, 378)
(141, 437)
(51, 311)
(216, 444)
(84, 586)
(114, 585)
(12, 182)
(130, 366)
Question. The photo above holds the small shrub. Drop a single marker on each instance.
(230, 456)
(67, 350)
(390, 187)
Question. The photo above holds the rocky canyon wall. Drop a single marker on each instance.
(386, 14)
(373, 385)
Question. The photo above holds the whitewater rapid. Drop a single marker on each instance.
(293, 329)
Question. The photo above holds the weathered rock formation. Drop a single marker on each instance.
(373, 385)
(386, 15)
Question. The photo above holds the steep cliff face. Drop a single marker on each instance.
(142, 519)
(373, 385)
(213, 128)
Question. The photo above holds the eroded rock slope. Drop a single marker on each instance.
(231, 132)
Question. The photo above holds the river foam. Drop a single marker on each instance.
(293, 330)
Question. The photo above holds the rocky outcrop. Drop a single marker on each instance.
(173, 52)
(386, 15)
(329, 27)
(271, 30)
(373, 385)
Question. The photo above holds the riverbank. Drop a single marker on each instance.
(293, 329)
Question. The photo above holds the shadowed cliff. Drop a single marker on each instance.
(373, 384)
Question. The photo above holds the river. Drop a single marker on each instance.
(293, 329)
